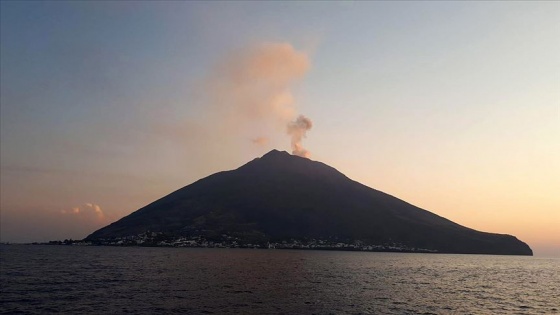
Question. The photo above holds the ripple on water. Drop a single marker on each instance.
(85, 280)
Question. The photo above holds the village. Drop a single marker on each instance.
(159, 239)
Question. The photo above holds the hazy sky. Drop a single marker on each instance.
(453, 107)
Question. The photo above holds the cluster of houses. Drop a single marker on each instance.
(227, 241)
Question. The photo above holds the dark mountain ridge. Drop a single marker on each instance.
(280, 196)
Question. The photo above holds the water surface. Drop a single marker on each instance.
(94, 280)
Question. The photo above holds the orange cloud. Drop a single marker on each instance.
(87, 209)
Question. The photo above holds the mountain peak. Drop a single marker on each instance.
(273, 160)
(276, 154)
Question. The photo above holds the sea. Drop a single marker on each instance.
(41, 279)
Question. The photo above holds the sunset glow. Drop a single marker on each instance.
(109, 106)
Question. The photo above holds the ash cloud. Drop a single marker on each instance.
(250, 96)
(297, 129)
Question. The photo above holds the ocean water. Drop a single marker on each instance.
(118, 280)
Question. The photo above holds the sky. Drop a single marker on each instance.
(451, 106)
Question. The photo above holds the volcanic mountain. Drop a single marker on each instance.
(285, 197)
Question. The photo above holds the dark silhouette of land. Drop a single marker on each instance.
(281, 197)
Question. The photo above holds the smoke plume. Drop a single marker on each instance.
(250, 96)
(297, 130)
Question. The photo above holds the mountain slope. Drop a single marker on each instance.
(280, 196)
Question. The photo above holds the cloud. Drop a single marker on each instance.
(90, 210)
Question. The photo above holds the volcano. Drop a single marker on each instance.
(281, 197)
